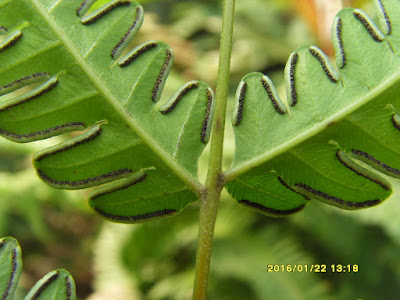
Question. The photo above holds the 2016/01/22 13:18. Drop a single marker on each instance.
(322, 268)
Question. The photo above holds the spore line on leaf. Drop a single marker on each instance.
(84, 182)
(135, 53)
(168, 107)
(386, 17)
(161, 76)
(323, 60)
(141, 217)
(51, 279)
(374, 32)
(269, 210)
(96, 15)
(338, 40)
(359, 170)
(334, 200)
(128, 36)
(292, 85)
(273, 95)
(240, 102)
(11, 40)
(205, 130)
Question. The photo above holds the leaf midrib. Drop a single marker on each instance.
(186, 177)
(246, 166)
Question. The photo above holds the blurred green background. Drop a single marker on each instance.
(57, 229)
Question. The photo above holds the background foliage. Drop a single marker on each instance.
(56, 229)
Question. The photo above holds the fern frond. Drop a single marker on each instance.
(334, 120)
(73, 69)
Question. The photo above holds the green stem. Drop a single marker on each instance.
(215, 182)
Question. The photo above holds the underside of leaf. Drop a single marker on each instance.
(57, 285)
(10, 267)
(69, 67)
(334, 126)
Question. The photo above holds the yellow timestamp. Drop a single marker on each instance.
(338, 268)
(315, 268)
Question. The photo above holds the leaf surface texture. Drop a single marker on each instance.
(337, 123)
(73, 69)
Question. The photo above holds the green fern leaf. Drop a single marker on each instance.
(335, 125)
(58, 284)
(10, 267)
(70, 68)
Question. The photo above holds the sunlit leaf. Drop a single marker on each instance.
(335, 122)
(73, 68)
(10, 267)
